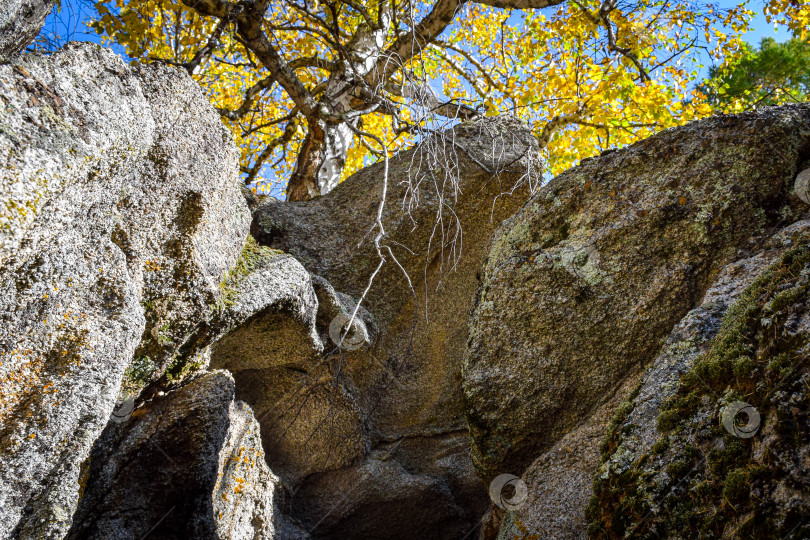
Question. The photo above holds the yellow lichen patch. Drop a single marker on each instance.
(22, 377)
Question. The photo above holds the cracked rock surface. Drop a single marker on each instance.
(121, 215)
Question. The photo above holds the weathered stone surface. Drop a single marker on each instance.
(412, 488)
(560, 481)
(121, 214)
(681, 470)
(187, 465)
(584, 283)
(20, 22)
(405, 386)
(270, 342)
(272, 287)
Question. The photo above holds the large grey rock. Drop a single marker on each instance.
(560, 481)
(121, 214)
(20, 22)
(335, 415)
(675, 463)
(271, 343)
(186, 465)
(584, 283)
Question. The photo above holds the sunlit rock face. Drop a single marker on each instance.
(121, 215)
(583, 286)
(383, 423)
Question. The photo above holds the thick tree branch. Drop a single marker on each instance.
(311, 61)
(411, 44)
(267, 82)
(604, 14)
(428, 30)
(249, 19)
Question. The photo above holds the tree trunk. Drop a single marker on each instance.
(323, 153)
(320, 161)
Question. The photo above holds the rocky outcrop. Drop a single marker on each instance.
(402, 392)
(560, 481)
(585, 282)
(121, 215)
(163, 376)
(186, 465)
(123, 233)
(20, 22)
(715, 439)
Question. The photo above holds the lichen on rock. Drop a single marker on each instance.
(553, 335)
(677, 462)
(101, 246)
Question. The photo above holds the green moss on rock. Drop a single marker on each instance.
(180, 368)
(137, 374)
(252, 257)
(706, 482)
